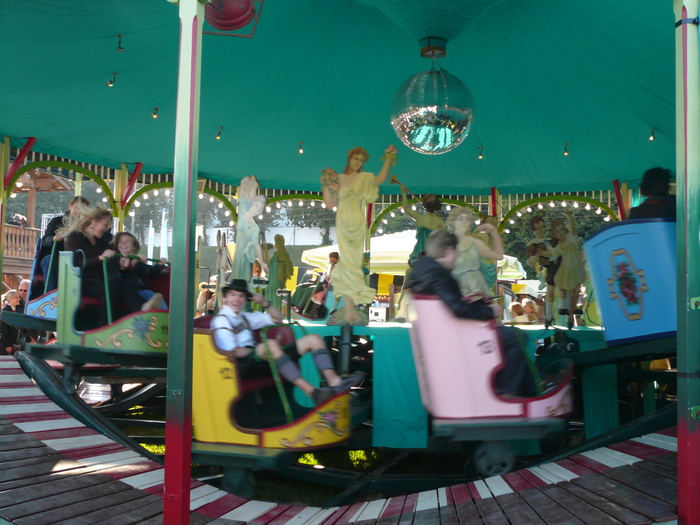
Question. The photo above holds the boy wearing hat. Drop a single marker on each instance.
(233, 333)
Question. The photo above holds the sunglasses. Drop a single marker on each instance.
(23, 290)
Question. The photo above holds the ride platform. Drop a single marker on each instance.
(56, 470)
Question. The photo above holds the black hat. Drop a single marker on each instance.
(239, 285)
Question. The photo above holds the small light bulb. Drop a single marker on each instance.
(335, 208)
(563, 204)
(588, 206)
(104, 199)
(575, 204)
(19, 184)
(279, 205)
(607, 218)
(98, 190)
(448, 207)
(512, 221)
(260, 217)
(220, 205)
(227, 213)
(211, 199)
(154, 114)
(268, 209)
(652, 136)
(167, 192)
(323, 205)
(539, 205)
(137, 203)
(156, 193)
(379, 230)
(230, 223)
(13, 195)
(551, 204)
(301, 203)
(201, 195)
(313, 203)
(519, 214)
(132, 213)
(145, 196)
(385, 221)
(392, 214)
(414, 207)
(529, 210)
(599, 211)
(506, 230)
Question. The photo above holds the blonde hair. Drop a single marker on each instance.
(83, 221)
(455, 213)
(516, 309)
(532, 304)
(9, 295)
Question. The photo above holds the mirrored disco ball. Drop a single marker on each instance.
(432, 112)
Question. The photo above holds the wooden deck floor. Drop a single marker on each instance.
(55, 470)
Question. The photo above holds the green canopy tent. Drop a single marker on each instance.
(597, 75)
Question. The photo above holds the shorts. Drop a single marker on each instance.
(252, 366)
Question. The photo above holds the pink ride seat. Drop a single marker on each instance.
(457, 361)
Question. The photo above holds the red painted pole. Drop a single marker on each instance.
(688, 258)
(130, 184)
(19, 159)
(178, 415)
(494, 202)
(620, 205)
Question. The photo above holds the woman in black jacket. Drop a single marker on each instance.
(9, 335)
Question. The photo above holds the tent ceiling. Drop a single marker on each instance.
(597, 75)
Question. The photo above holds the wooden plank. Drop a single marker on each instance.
(448, 512)
(63, 506)
(226, 504)
(47, 467)
(36, 491)
(549, 510)
(128, 513)
(578, 507)
(8, 429)
(659, 468)
(610, 508)
(96, 509)
(648, 482)
(27, 453)
(632, 499)
(517, 510)
(426, 517)
(195, 519)
(490, 512)
(670, 459)
(14, 441)
(468, 514)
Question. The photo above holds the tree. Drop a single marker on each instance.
(307, 216)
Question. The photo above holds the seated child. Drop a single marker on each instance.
(126, 273)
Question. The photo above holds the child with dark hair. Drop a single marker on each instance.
(659, 203)
(127, 272)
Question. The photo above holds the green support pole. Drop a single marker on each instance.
(178, 426)
(688, 253)
(4, 165)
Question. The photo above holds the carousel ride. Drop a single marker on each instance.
(182, 333)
